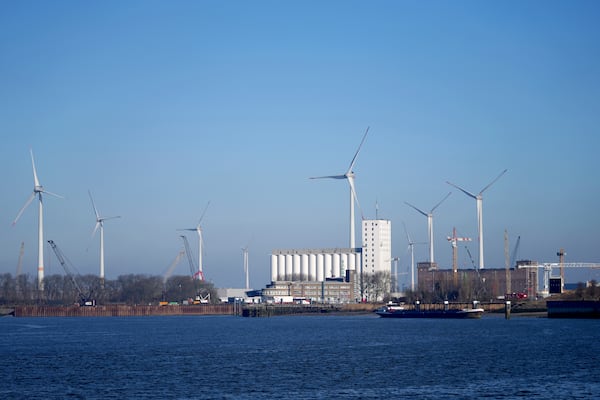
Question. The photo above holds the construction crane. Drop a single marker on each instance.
(168, 274)
(547, 268)
(513, 256)
(510, 260)
(453, 241)
(84, 300)
(172, 266)
(196, 276)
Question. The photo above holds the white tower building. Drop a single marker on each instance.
(377, 246)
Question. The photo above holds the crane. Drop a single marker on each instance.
(513, 256)
(547, 267)
(453, 241)
(173, 265)
(196, 276)
(84, 300)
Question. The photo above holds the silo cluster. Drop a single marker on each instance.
(313, 264)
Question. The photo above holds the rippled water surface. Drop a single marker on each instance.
(298, 357)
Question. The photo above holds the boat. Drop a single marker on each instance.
(394, 311)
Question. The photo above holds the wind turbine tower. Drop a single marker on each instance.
(38, 189)
(246, 271)
(429, 216)
(198, 229)
(349, 175)
(100, 224)
(479, 198)
(411, 246)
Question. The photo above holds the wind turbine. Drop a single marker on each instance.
(411, 245)
(100, 224)
(429, 216)
(349, 175)
(246, 271)
(37, 191)
(479, 198)
(198, 229)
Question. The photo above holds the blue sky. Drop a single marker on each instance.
(160, 107)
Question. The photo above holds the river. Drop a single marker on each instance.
(298, 357)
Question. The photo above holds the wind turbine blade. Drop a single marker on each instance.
(357, 151)
(94, 206)
(329, 177)
(438, 204)
(203, 212)
(52, 194)
(462, 190)
(96, 228)
(28, 202)
(107, 218)
(407, 235)
(36, 181)
(494, 181)
(351, 182)
(422, 212)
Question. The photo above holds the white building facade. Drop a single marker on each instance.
(377, 246)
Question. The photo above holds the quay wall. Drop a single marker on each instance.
(573, 309)
(120, 310)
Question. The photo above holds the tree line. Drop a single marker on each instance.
(126, 289)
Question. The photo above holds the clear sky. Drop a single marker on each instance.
(159, 107)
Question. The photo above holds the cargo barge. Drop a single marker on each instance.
(396, 311)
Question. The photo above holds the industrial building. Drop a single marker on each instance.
(487, 284)
(331, 274)
(377, 245)
(310, 265)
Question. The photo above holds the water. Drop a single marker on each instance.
(298, 357)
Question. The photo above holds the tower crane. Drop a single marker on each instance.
(453, 241)
(84, 300)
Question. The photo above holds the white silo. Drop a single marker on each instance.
(312, 267)
(320, 267)
(304, 267)
(274, 268)
(281, 267)
(352, 261)
(358, 258)
(289, 265)
(328, 265)
(335, 265)
(297, 267)
(343, 264)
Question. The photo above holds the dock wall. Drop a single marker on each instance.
(121, 310)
